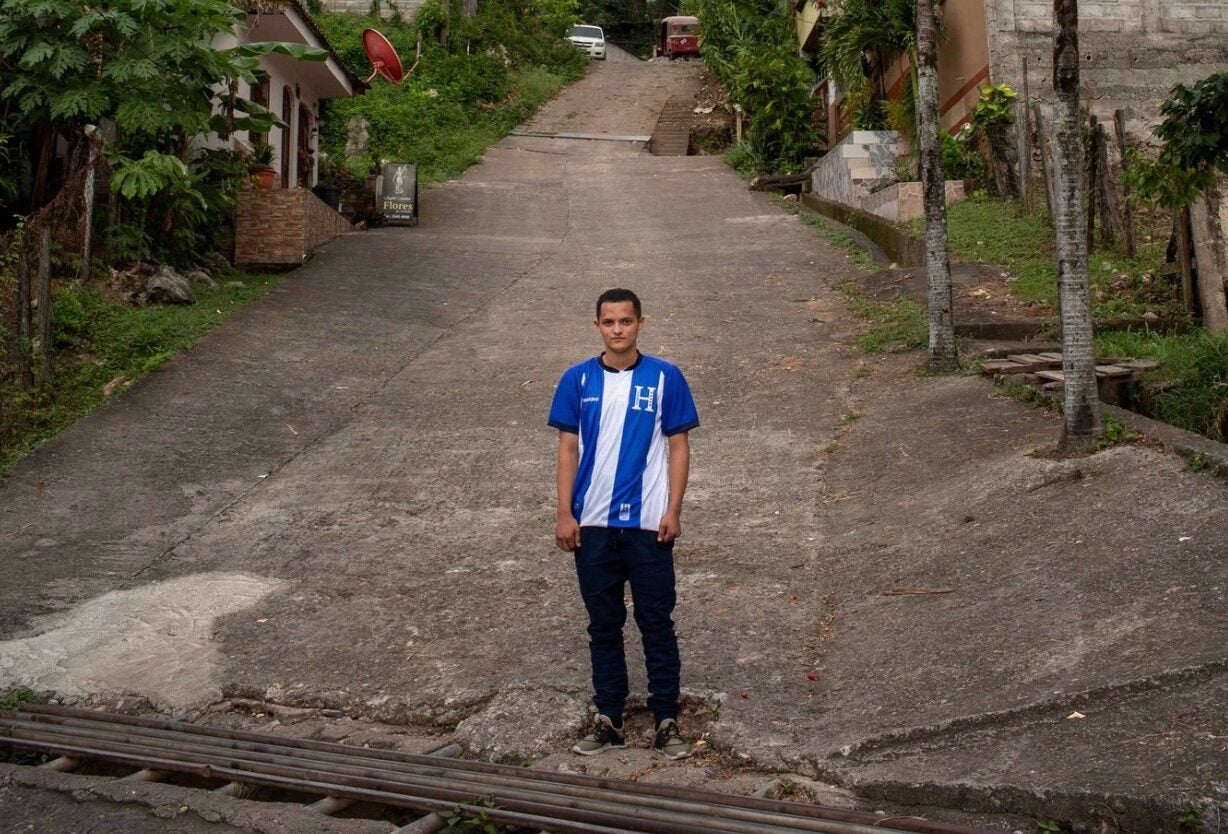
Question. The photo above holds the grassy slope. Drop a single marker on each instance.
(993, 231)
(101, 339)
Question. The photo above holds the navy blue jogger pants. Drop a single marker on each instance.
(606, 560)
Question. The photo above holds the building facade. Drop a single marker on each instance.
(1133, 51)
(294, 90)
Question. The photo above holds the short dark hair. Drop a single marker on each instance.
(616, 295)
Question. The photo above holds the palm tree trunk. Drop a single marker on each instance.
(943, 354)
(1081, 425)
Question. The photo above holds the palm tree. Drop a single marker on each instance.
(943, 353)
(864, 30)
(1081, 426)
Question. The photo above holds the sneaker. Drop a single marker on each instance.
(605, 736)
(670, 742)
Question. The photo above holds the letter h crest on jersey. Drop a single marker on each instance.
(643, 399)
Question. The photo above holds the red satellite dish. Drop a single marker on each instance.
(384, 60)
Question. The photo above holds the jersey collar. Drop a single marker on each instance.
(631, 367)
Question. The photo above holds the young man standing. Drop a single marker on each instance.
(623, 461)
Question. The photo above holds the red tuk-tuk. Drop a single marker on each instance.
(678, 36)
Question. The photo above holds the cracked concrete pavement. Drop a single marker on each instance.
(365, 452)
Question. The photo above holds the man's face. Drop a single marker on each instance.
(619, 326)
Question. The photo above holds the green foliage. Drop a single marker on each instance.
(1115, 434)
(14, 698)
(865, 110)
(147, 68)
(1190, 388)
(100, 338)
(498, 68)
(841, 239)
(962, 160)
(867, 27)
(902, 324)
(630, 25)
(150, 67)
(745, 160)
(989, 230)
(1048, 826)
(995, 106)
(143, 178)
(1195, 135)
(751, 46)
(459, 822)
(1191, 816)
(9, 154)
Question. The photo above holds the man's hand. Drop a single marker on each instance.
(670, 527)
(567, 533)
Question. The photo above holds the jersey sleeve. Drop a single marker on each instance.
(678, 408)
(565, 410)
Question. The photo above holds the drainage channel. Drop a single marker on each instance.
(592, 137)
(337, 776)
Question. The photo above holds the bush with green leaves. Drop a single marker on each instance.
(962, 160)
(493, 71)
(150, 71)
(751, 46)
(1195, 152)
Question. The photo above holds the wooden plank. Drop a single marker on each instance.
(1140, 364)
(1000, 366)
(1113, 370)
(1052, 376)
(1052, 357)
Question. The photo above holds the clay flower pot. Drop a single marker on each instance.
(265, 177)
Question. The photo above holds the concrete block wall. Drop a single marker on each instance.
(1133, 51)
(406, 8)
(906, 201)
(280, 226)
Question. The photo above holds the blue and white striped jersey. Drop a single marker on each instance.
(622, 418)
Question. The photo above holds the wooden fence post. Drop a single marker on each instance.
(1046, 158)
(1110, 217)
(1185, 257)
(44, 302)
(1128, 236)
(1092, 178)
(1023, 120)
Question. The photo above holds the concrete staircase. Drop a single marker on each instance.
(672, 135)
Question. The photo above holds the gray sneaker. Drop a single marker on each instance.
(670, 742)
(604, 736)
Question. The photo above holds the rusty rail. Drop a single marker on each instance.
(545, 800)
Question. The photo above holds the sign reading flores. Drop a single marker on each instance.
(399, 194)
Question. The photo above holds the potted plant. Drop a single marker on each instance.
(262, 168)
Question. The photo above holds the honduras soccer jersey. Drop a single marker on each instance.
(623, 419)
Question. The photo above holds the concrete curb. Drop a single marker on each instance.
(1214, 455)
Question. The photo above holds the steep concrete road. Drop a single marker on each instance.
(343, 497)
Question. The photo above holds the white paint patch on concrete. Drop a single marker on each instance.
(155, 641)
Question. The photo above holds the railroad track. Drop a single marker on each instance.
(430, 784)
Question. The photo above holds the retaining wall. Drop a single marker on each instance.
(281, 226)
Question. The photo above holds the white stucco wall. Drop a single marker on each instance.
(307, 82)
